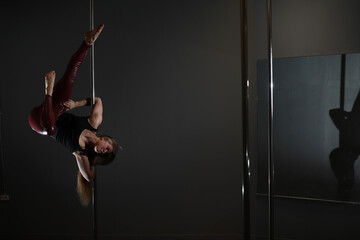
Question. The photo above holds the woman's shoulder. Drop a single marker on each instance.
(93, 125)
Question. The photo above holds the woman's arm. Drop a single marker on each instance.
(96, 115)
(87, 171)
(71, 104)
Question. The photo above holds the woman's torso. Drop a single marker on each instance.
(70, 129)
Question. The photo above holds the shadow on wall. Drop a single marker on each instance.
(342, 158)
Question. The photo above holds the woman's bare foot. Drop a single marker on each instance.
(49, 82)
(92, 35)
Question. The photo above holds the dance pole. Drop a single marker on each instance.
(270, 131)
(92, 81)
(3, 195)
(245, 125)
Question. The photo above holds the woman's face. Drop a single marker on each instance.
(103, 146)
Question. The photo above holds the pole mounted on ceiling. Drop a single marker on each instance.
(245, 123)
(92, 82)
(270, 121)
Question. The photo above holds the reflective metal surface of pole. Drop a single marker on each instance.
(245, 124)
(270, 129)
(92, 81)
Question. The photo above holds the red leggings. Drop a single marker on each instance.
(42, 119)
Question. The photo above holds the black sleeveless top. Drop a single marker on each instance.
(68, 130)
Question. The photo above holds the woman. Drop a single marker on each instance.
(77, 134)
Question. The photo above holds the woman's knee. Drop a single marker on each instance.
(39, 126)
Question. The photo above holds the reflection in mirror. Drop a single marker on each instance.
(316, 127)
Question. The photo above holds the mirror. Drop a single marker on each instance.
(316, 127)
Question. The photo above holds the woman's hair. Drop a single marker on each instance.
(83, 189)
(83, 186)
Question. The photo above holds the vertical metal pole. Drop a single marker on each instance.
(92, 78)
(342, 82)
(92, 70)
(3, 195)
(271, 117)
(245, 124)
(2, 159)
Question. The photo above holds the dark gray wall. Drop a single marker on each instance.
(307, 28)
(169, 76)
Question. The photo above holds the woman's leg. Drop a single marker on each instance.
(42, 119)
(63, 89)
(47, 118)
